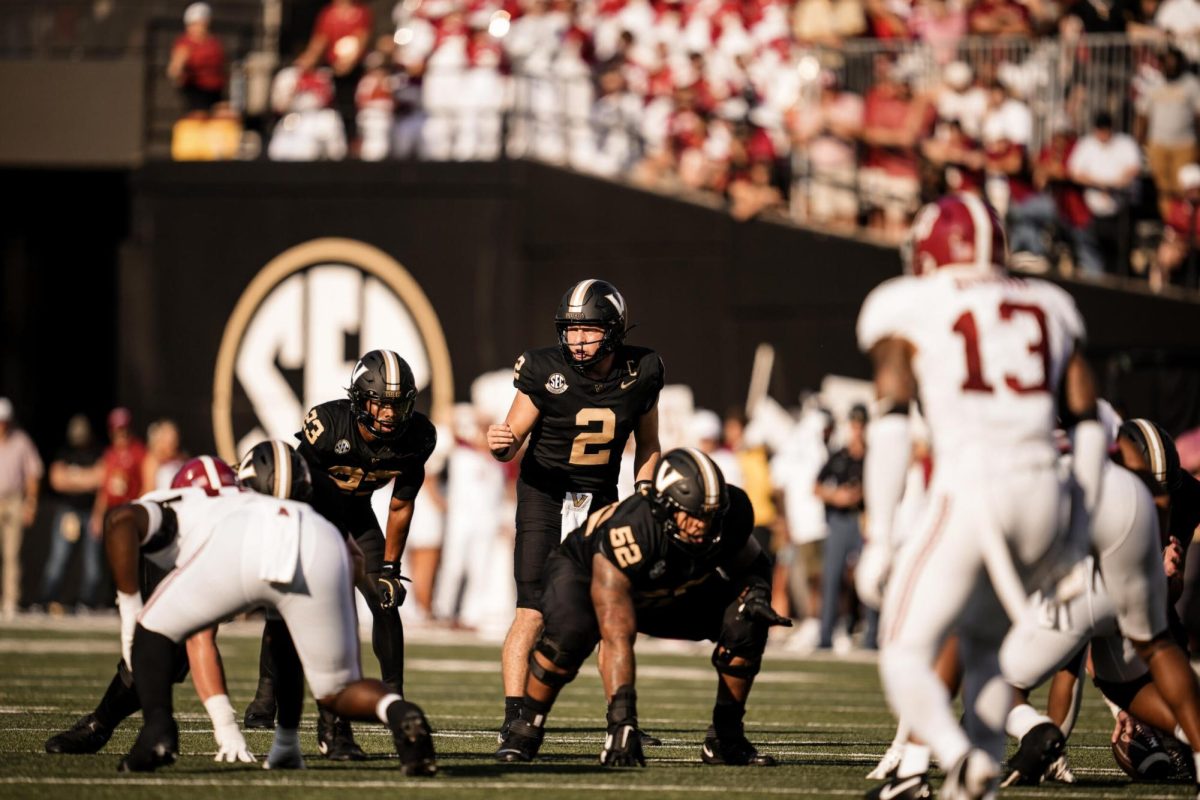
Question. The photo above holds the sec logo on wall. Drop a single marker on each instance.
(300, 325)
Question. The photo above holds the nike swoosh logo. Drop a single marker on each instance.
(888, 792)
(626, 385)
(707, 752)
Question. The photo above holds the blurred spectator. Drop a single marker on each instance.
(197, 63)
(1007, 117)
(962, 99)
(1178, 257)
(74, 477)
(1106, 164)
(839, 486)
(794, 471)
(1166, 125)
(958, 156)
(121, 467)
(751, 194)
(827, 132)
(426, 535)
(20, 473)
(310, 130)
(1051, 176)
(999, 18)
(941, 24)
(1180, 19)
(888, 19)
(1030, 214)
(163, 455)
(339, 40)
(475, 486)
(894, 122)
(828, 22)
(756, 476)
(376, 102)
(705, 430)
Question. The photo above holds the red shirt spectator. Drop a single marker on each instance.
(204, 61)
(1009, 159)
(121, 467)
(1183, 217)
(999, 18)
(341, 33)
(893, 123)
(1051, 173)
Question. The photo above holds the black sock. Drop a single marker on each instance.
(533, 711)
(727, 718)
(119, 703)
(286, 673)
(153, 659)
(512, 708)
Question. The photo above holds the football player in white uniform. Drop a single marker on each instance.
(991, 355)
(199, 656)
(235, 550)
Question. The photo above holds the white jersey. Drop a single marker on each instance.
(991, 351)
(183, 520)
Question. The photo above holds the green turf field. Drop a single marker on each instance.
(824, 719)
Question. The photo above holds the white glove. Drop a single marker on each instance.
(130, 605)
(231, 745)
(871, 574)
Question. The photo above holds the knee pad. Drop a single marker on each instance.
(722, 659)
(559, 657)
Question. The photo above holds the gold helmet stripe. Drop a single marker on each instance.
(708, 473)
(283, 469)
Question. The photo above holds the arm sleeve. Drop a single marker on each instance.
(161, 528)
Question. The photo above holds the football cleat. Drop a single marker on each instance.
(1060, 770)
(335, 739)
(887, 765)
(914, 787)
(1040, 747)
(414, 742)
(153, 749)
(973, 777)
(284, 758)
(260, 714)
(521, 743)
(649, 739)
(85, 737)
(732, 749)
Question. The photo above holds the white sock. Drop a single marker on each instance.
(1023, 719)
(1181, 736)
(382, 706)
(915, 761)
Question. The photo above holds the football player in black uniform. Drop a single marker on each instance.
(353, 447)
(577, 403)
(675, 560)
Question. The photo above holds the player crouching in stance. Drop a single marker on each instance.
(675, 560)
(235, 551)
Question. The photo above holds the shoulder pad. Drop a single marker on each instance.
(885, 311)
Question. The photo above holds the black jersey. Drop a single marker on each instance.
(1185, 509)
(659, 567)
(333, 446)
(583, 424)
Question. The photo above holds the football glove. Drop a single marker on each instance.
(756, 605)
(623, 743)
(391, 591)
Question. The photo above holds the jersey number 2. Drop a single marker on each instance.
(965, 327)
(580, 455)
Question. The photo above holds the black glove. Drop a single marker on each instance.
(391, 591)
(756, 605)
(623, 744)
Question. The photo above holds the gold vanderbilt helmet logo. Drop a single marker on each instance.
(298, 329)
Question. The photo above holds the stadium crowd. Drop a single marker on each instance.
(1077, 121)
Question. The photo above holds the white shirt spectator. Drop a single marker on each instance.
(1012, 120)
(968, 108)
(1094, 161)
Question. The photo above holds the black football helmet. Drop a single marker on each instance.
(1158, 450)
(689, 481)
(274, 467)
(384, 377)
(591, 302)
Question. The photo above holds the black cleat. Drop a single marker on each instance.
(510, 716)
(1040, 747)
(649, 739)
(335, 739)
(521, 744)
(85, 737)
(914, 787)
(413, 740)
(732, 749)
(260, 714)
(153, 749)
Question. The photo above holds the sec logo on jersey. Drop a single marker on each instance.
(556, 384)
(300, 325)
